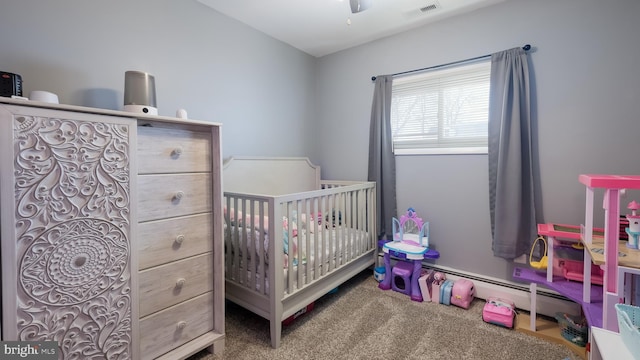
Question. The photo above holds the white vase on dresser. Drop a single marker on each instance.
(111, 232)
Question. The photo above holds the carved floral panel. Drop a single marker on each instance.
(72, 195)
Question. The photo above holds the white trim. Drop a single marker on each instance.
(443, 151)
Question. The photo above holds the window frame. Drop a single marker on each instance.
(481, 65)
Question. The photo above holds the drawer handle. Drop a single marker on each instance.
(181, 325)
(180, 282)
(178, 195)
(176, 152)
(179, 239)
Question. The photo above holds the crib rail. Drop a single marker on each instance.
(246, 242)
(276, 246)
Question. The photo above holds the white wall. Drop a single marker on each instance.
(275, 100)
(587, 84)
(216, 68)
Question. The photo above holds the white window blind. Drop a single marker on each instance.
(443, 111)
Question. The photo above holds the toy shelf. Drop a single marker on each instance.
(601, 247)
(626, 257)
(571, 289)
(608, 250)
(564, 231)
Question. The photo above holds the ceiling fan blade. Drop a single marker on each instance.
(360, 5)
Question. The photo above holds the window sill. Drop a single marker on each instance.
(442, 151)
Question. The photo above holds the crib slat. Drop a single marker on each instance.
(316, 231)
(236, 250)
(322, 233)
(244, 244)
(290, 266)
(262, 275)
(298, 254)
(229, 242)
(332, 246)
(310, 262)
(253, 238)
(337, 229)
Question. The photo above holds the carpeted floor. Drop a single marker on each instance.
(361, 321)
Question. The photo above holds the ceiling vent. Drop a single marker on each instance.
(430, 7)
(423, 11)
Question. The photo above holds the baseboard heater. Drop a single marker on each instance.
(548, 301)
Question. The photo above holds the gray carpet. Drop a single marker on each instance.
(361, 321)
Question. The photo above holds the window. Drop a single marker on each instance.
(442, 111)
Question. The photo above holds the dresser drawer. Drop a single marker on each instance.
(171, 150)
(165, 196)
(172, 327)
(171, 283)
(163, 241)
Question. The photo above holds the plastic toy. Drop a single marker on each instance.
(569, 268)
(438, 280)
(425, 282)
(574, 270)
(463, 293)
(499, 312)
(410, 234)
(378, 273)
(288, 321)
(543, 262)
(410, 245)
(634, 225)
(573, 328)
(446, 290)
(401, 278)
(439, 277)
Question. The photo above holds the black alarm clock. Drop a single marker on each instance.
(10, 84)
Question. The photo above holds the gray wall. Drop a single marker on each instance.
(216, 68)
(275, 100)
(587, 84)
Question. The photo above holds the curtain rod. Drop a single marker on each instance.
(527, 47)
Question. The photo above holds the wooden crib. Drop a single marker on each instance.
(290, 238)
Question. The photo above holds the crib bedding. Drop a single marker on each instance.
(256, 228)
(302, 240)
(304, 245)
(332, 260)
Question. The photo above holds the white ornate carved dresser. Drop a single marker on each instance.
(111, 229)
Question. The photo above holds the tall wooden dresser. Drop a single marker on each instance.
(111, 232)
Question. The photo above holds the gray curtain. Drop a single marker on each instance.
(511, 185)
(382, 163)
